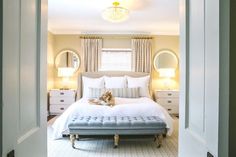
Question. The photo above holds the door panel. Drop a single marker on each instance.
(196, 73)
(28, 67)
(24, 77)
(212, 96)
(199, 98)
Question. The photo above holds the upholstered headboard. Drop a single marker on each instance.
(106, 73)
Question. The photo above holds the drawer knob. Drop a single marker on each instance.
(61, 93)
(62, 108)
(169, 109)
(61, 100)
(169, 94)
(169, 101)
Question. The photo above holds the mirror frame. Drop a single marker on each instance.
(71, 51)
(165, 51)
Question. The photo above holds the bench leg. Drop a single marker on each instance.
(116, 141)
(72, 139)
(158, 139)
(164, 135)
(77, 136)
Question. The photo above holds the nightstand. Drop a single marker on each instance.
(169, 99)
(60, 100)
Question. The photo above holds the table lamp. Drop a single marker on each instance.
(167, 73)
(65, 73)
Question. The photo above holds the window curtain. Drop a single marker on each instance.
(142, 48)
(91, 48)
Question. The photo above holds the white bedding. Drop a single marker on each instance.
(124, 107)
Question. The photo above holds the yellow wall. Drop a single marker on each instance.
(72, 42)
(50, 61)
(118, 42)
(160, 43)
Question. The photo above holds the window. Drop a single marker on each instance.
(116, 60)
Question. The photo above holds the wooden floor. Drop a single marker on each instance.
(144, 147)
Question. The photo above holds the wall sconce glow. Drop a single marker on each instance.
(166, 72)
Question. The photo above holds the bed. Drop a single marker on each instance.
(134, 107)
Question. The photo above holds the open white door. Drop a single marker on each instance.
(24, 78)
(199, 99)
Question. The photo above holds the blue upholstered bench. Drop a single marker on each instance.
(117, 126)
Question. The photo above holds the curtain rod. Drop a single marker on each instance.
(90, 37)
(115, 37)
(142, 37)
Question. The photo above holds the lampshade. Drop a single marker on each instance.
(166, 72)
(65, 72)
(115, 13)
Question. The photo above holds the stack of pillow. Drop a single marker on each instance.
(126, 86)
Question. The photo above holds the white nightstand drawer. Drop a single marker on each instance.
(58, 109)
(172, 109)
(172, 94)
(61, 100)
(66, 93)
(171, 101)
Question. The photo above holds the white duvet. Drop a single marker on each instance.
(124, 107)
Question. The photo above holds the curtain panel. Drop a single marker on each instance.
(142, 48)
(91, 48)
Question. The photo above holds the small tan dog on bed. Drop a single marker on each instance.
(105, 99)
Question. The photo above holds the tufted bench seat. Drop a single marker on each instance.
(116, 126)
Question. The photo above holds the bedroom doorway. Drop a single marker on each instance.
(212, 148)
(194, 123)
(119, 44)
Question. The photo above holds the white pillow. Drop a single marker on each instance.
(115, 82)
(116, 92)
(125, 92)
(142, 82)
(91, 83)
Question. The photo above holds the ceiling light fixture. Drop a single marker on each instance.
(115, 13)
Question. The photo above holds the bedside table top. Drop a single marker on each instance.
(165, 90)
(59, 92)
(62, 89)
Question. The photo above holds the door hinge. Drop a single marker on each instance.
(11, 153)
(209, 154)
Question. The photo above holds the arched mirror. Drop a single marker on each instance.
(67, 59)
(165, 59)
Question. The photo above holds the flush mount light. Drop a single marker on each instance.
(115, 13)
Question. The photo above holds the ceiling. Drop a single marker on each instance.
(156, 17)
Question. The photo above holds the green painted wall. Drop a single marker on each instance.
(1, 29)
(232, 98)
(224, 78)
(227, 127)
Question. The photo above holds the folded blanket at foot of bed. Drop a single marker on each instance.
(112, 125)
